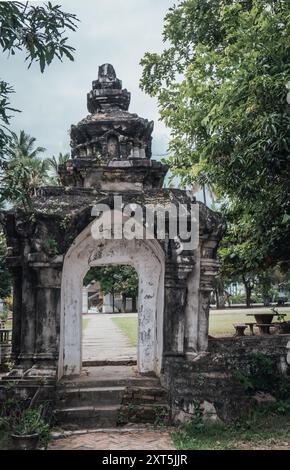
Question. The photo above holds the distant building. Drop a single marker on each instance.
(95, 302)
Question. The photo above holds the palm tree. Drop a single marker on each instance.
(206, 189)
(23, 146)
(24, 171)
(37, 173)
(55, 163)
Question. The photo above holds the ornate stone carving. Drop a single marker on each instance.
(107, 93)
(111, 148)
(111, 152)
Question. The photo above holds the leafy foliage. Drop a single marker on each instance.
(262, 375)
(30, 422)
(250, 430)
(24, 171)
(40, 32)
(221, 88)
(55, 163)
(23, 416)
(118, 279)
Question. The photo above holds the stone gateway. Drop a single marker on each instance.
(51, 246)
(50, 249)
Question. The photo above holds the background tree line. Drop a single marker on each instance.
(221, 85)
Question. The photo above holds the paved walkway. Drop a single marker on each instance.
(133, 440)
(104, 341)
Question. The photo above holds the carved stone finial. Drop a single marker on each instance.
(107, 73)
(107, 93)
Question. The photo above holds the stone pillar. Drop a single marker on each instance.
(174, 310)
(47, 321)
(16, 274)
(28, 315)
(208, 270)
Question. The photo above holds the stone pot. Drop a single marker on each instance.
(267, 318)
(25, 442)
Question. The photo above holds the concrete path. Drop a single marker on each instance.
(116, 440)
(104, 341)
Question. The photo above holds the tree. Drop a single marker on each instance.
(221, 88)
(23, 146)
(54, 163)
(39, 31)
(240, 258)
(24, 171)
(116, 280)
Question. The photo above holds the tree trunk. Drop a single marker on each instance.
(134, 304)
(266, 299)
(248, 289)
(124, 303)
(248, 296)
(204, 194)
(220, 299)
(113, 298)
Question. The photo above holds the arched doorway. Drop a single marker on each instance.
(147, 258)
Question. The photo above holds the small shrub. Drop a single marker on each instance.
(262, 375)
(51, 246)
(23, 416)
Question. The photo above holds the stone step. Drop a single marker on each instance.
(122, 362)
(153, 413)
(109, 382)
(71, 397)
(88, 417)
(85, 417)
(110, 397)
(145, 395)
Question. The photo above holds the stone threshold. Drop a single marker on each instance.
(97, 363)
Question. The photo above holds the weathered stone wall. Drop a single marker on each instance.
(208, 378)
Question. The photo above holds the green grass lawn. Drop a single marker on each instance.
(129, 327)
(219, 323)
(264, 429)
(222, 323)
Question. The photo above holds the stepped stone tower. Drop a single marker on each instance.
(111, 148)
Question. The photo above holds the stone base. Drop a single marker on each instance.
(203, 383)
(37, 372)
(207, 381)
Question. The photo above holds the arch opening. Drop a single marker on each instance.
(110, 316)
(147, 257)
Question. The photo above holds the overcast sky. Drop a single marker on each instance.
(114, 31)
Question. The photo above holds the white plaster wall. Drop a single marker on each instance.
(147, 258)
